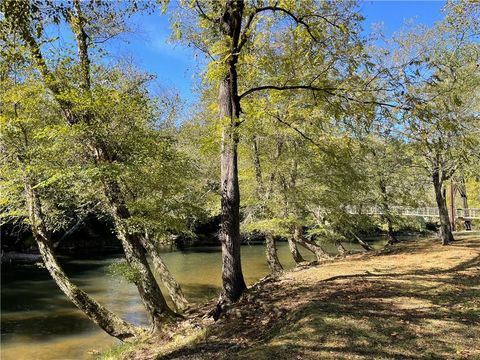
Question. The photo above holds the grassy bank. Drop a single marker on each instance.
(417, 300)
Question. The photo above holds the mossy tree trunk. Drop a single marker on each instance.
(107, 320)
(174, 290)
(147, 286)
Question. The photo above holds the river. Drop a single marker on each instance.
(38, 322)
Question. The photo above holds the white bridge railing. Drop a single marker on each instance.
(410, 211)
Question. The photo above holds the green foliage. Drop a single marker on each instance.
(122, 269)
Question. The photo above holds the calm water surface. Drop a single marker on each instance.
(38, 322)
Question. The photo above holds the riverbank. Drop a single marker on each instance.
(417, 300)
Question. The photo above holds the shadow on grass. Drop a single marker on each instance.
(424, 314)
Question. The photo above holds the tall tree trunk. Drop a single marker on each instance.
(446, 235)
(271, 252)
(232, 275)
(107, 320)
(292, 244)
(392, 239)
(173, 287)
(229, 112)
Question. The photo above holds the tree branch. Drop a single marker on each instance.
(286, 87)
(301, 133)
(202, 13)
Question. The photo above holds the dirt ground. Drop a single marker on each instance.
(416, 300)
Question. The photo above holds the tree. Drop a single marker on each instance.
(441, 85)
(36, 182)
(93, 103)
(228, 34)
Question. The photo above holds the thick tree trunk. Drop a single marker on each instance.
(232, 275)
(292, 244)
(229, 111)
(147, 286)
(387, 216)
(174, 289)
(446, 235)
(271, 252)
(107, 320)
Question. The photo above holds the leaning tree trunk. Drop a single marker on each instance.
(445, 228)
(107, 320)
(316, 249)
(147, 286)
(173, 287)
(292, 244)
(271, 252)
(362, 243)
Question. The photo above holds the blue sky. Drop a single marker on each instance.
(176, 66)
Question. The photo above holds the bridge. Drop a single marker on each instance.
(426, 212)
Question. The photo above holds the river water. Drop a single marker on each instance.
(38, 322)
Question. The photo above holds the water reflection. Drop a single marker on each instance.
(38, 322)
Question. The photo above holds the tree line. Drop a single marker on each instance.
(306, 114)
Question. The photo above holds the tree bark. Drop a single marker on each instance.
(147, 286)
(386, 213)
(446, 235)
(271, 252)
(297, 257)
(229, 112)
(107, 320)
(292, 244)
(392, 239)
(173, 287)
(232, 275)
(316, 249)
